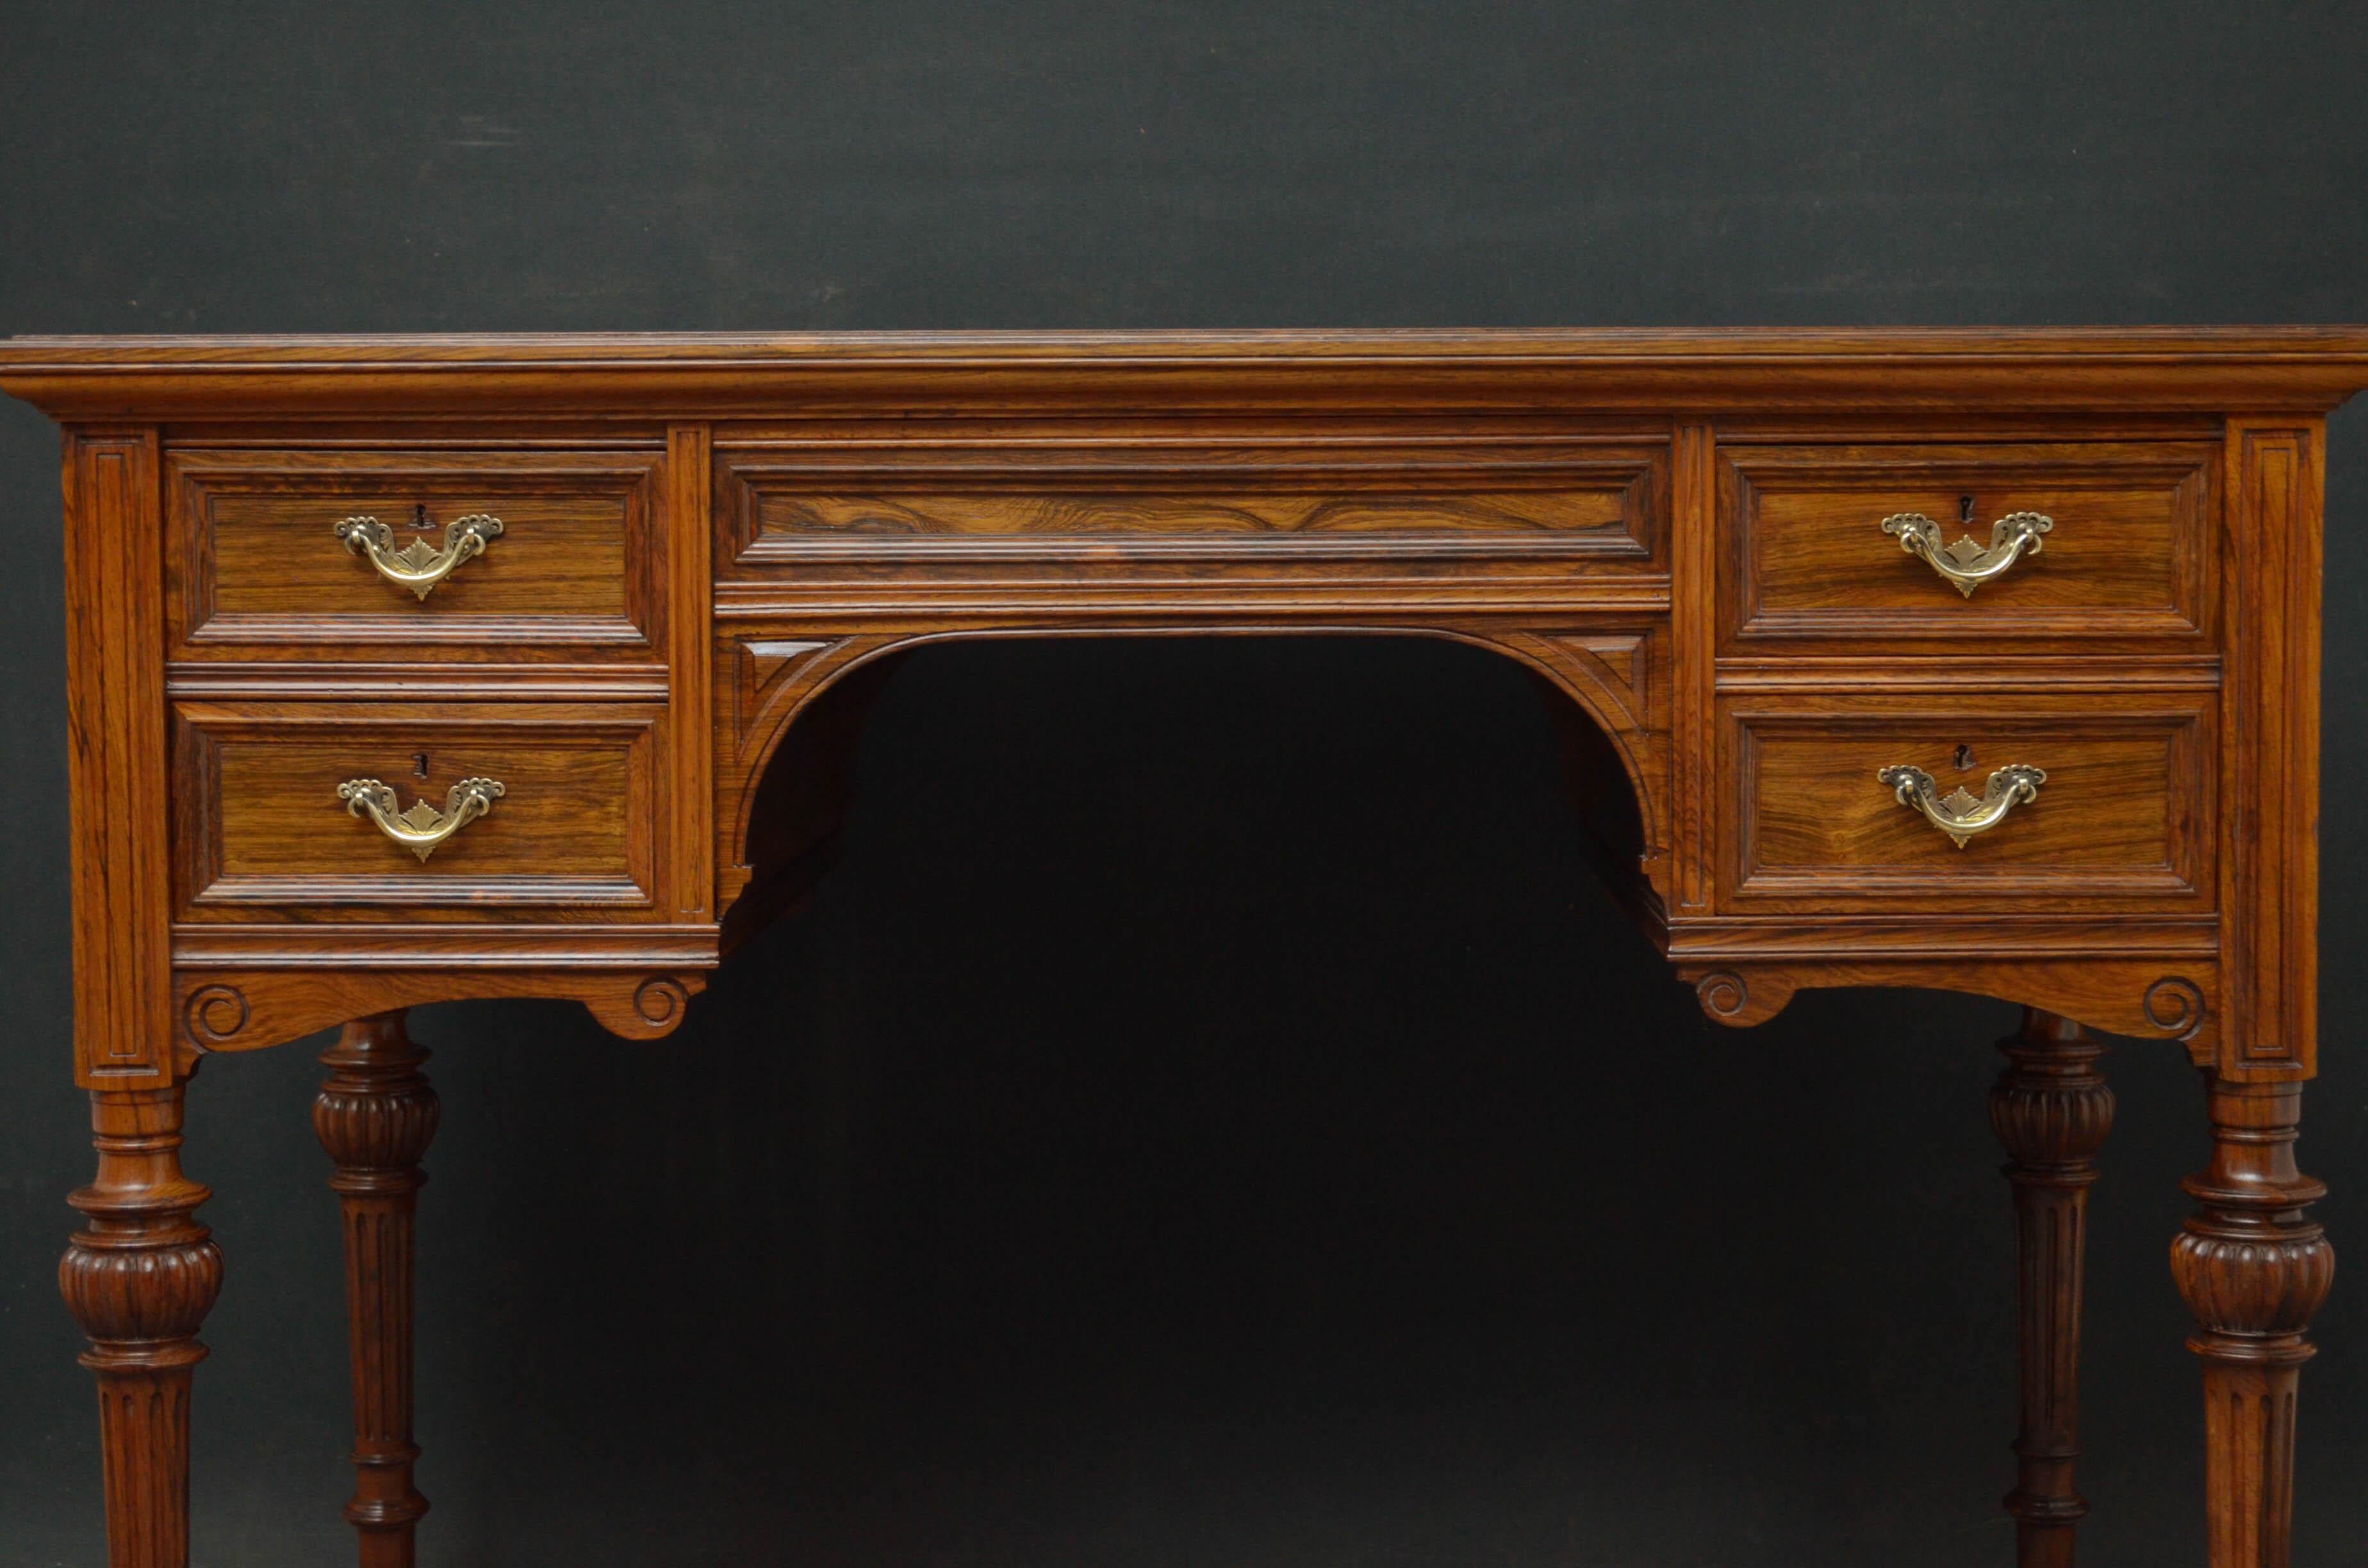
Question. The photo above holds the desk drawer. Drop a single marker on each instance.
(553, 548)
(1815, 541)
(556, 808)
(1121, 502)
(2122, 819)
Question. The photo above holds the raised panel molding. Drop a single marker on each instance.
(1807, 559)
(2271, 857)
(257, 569)
(260, 832)
(1393, 514)
(115, 758)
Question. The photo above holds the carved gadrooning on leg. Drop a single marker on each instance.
(373, 1135)
(2252, 1267)
(2253, 1270)
(2253, 1285)
(143, 1272)
(140, 1277)
(2051, 1109)
(141, 1296)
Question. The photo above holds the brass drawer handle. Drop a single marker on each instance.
(423, 827)
(1966, 564)
(419, 565)
(1957, 813)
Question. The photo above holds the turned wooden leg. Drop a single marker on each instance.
(140, 1277)
(2051, 1110)
(2253, 1270)
(375, 1115)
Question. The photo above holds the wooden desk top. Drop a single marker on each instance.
(2126, 368)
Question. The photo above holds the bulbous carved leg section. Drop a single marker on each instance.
(2253, 1270)
(2051, 1110)
(140, 1277)
(376, 1115)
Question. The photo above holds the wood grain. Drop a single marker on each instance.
(257, 567)
(2254, 1270)
(262, 830)
(1695, 672)
(1902, 369)
(1807, 557)
(115, 760)
(2271, 865)
(1483, 506)
(687, 568)
(139, 1278)
(2149, 996)
(2122, 819)
(376, 1114)
(2052, 1109)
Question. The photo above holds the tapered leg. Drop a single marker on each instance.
(2051, 1110)
(2253, 1270)
(376, 1114)
(140, 1277)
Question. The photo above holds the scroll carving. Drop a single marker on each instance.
(215, 1014)
(2175, 1006)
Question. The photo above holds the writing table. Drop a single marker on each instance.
(409, 669)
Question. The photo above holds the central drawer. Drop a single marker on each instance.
(1193, 505)
(520, 810)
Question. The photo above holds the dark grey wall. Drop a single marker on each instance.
(1211, 1116)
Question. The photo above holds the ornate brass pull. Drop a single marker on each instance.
(1957, 813)
(423, 827)
(1965, 562)
(419, 565)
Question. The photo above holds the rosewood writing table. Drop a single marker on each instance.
(406, 669)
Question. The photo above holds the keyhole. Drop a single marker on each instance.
(419, 763)
(419, 515)
(1964, 758)
(1965, 510)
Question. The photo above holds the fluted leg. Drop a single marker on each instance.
(2253, 1270)
(140, 1277)
(2051, 1110)
(376, 1114)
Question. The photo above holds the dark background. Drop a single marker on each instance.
(1211, 1116)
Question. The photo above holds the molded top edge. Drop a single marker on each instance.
(489, 350)
(723, 375)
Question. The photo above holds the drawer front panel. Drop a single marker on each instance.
(1808, 556)
(2122, 819)
(1506, 500)
(261, 828)
(259, 560)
